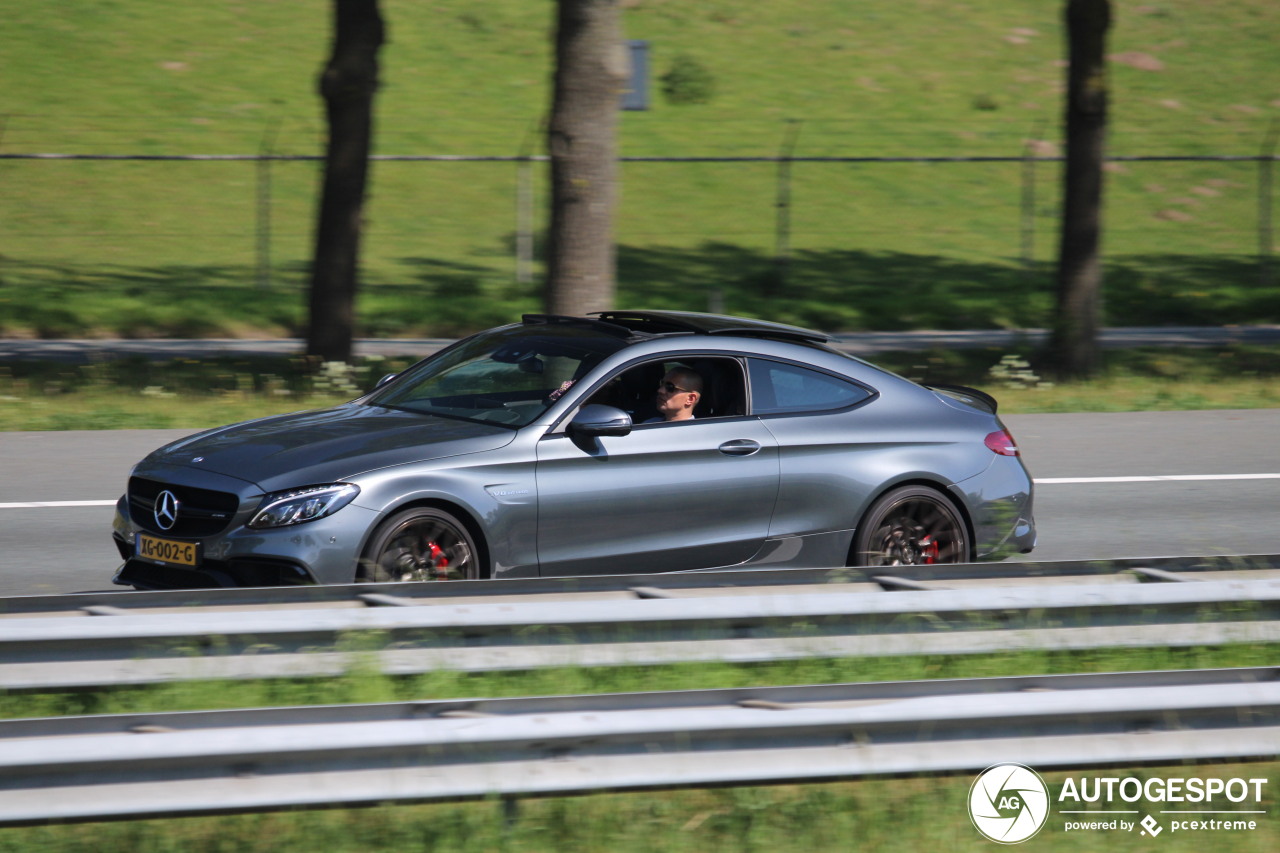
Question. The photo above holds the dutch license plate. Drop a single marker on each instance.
(168, 551)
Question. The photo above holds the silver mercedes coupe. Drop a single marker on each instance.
(621, 443)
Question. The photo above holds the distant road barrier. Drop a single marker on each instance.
(162, 765)
(857, 343)
(403, 629)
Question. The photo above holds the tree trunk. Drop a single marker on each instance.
(1074, 342)
(590, 75)
(347, 84)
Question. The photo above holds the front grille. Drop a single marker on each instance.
(201, 512)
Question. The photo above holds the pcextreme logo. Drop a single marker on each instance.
(1010, 803)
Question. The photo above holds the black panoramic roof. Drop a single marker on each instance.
(692, 322)
(586, 322)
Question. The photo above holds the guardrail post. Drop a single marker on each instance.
(510, 812)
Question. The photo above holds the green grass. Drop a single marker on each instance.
(152, 248)
(364, 686)
(135, 393)
(1139, 379)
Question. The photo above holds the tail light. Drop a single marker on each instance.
(1002, 443)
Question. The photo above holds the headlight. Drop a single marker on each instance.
(280, 509)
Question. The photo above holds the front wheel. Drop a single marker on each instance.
(909, 526)
(422, 544)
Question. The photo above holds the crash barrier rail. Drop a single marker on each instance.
(864, 344)
(163, 765)
(742, 624)
(655, 585)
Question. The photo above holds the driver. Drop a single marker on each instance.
(678, 392)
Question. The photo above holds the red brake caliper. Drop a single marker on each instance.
(928, 551)
(439, 562)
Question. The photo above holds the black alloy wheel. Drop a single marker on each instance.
(911, 526)
(422, 544)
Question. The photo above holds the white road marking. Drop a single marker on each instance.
(54, 504)
(1159, 478)
(1040, 481)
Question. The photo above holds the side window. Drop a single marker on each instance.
(635, 390)
(777, 388)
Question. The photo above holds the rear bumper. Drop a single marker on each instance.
(1001, 506)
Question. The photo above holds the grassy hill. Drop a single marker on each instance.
(181, 248)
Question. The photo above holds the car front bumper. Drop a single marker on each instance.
(323, 551)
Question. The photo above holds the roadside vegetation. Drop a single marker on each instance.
(135, 393)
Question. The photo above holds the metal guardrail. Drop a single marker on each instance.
(157, 765)
(741, 624)
(671, 583)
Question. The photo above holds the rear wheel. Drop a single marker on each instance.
(422, 544)
(911, 525)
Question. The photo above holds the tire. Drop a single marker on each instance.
(422, 544)
(911, 525)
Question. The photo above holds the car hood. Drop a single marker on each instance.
(325, 446)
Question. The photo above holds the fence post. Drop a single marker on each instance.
(4, 124)
(782, 237)
(1266, 166)
(1029, 203)
(265, 155)
(524, 206)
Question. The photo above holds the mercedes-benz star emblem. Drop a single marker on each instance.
(166, 510)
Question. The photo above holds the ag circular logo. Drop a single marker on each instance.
(1009, 803)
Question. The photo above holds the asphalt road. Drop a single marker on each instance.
(1108, 486)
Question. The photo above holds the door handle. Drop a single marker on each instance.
(740, 447)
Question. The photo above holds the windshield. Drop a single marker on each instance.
(506, 376)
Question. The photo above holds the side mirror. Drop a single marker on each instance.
(596, 420)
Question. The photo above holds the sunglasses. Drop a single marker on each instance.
(671, 388)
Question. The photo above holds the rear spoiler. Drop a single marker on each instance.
(971, 396)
